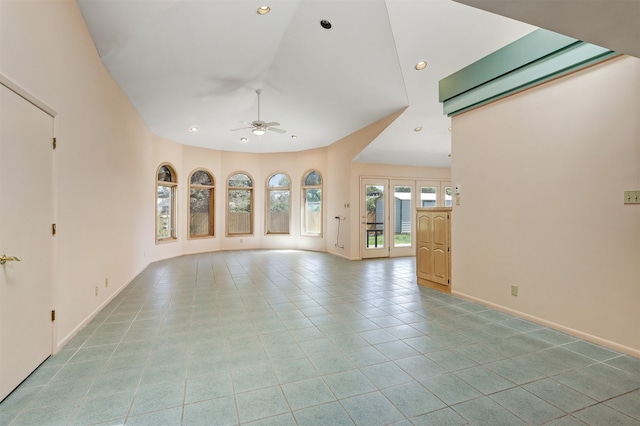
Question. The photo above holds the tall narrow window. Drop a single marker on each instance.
(278, 204)
(312, 207)
(428, 196)
(167, 183)
(448, 193)
(239, 204)
(403, 215)
(201, 196)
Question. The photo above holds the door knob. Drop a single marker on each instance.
(4, 259)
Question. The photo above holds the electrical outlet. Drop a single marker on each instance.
(632, 197)
(106, 282)
(97, 290)
(514, 290)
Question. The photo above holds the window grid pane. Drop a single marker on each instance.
(164, 220)
(428, 196)
(201, 177)
(239, 211)
(279, 180)
(403, 216)
(200, 212)
(313, 211)
(240, 180)
(279, 208)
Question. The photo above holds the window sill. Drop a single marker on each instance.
(166, 240)
(201, 237)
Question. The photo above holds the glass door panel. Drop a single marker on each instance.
(402, 218)
(448, 194)
(428, 196)
(374, 215)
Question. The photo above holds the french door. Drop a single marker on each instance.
(387, 211)
(374, 215)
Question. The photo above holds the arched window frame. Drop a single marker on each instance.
(277, 224)
(166, 210)
(233, 228)
(308, 228)
(193, 220)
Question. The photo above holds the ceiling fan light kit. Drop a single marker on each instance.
(259, 127)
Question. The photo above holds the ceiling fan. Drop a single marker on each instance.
(259, 127)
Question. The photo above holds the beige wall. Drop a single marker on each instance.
(341, 180)
(222, 164)
(107, 159)
(102, 163)
(542, 176)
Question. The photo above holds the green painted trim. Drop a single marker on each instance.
(521, 52)
(512, 69)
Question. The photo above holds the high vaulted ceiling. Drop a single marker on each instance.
(186, 63)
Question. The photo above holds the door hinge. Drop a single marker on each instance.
(55, 143)
(447, 215)
(53, 315)
(53, 229)
(448, 249)
(448, 281)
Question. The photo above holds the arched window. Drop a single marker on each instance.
(240, 204)
(201, 196)
(278, 204)
(312, 207)
(167, 183)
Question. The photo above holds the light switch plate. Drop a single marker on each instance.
(632, 197)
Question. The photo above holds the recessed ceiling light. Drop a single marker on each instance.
(450, 128)
(243, 139)
(417, 129)
(421, 65)
(449, 155)
(325, 24)
(193, 129)
(294, 136)
(263, 10)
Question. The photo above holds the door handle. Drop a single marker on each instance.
(4, 259)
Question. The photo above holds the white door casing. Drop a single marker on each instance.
(26, 216)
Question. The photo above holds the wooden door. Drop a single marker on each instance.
(433, 249)
(440, 247)
(26, 211)
(424, 255)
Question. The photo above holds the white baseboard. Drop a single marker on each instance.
(559, 327)
(95, 312)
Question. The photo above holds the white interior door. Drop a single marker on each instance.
(374, 215)
(26, 211)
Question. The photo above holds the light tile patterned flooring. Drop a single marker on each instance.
(293, 337)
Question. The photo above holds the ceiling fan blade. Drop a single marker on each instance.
(241, 128)
(247, 123)
(273, 123)
(273, 129)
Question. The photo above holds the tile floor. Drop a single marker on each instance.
(292, 337)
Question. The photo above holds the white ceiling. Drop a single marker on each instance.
(186, 63)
